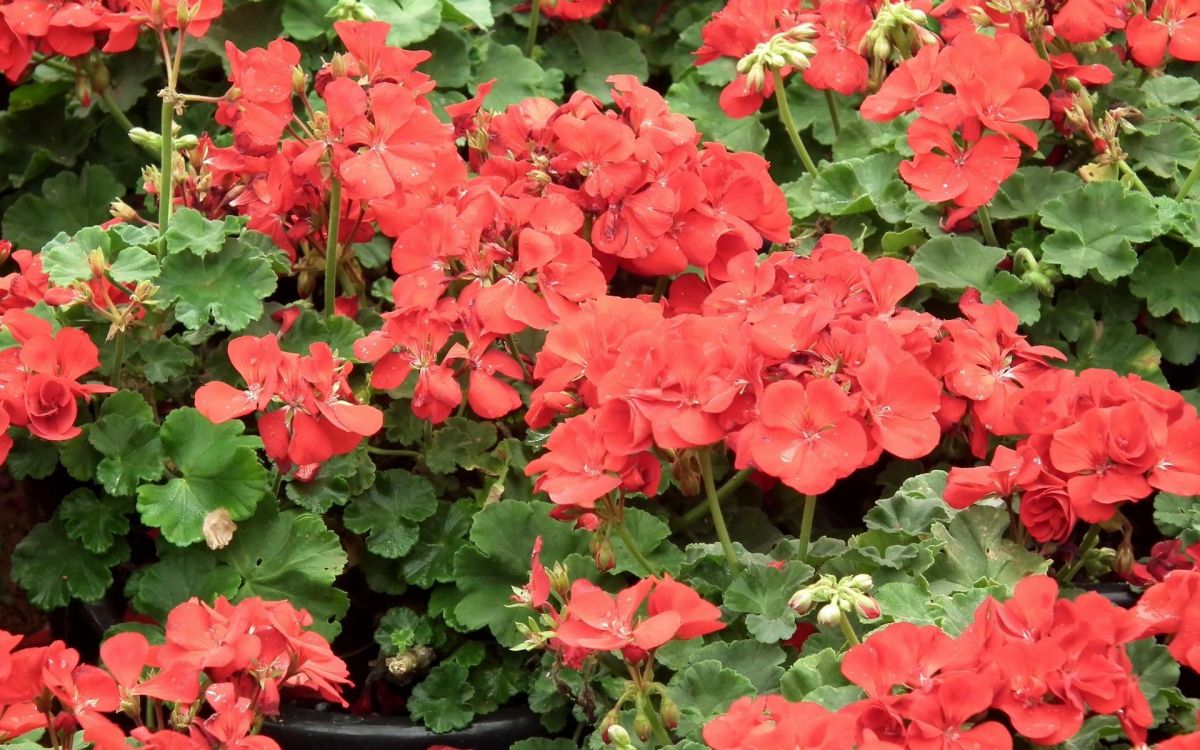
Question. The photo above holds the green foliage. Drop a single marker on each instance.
(227, 286)
(68, 202)
(390, 511)
(54, 568)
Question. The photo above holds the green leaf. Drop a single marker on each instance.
(1178, 516)
(1116, 345)
(517, 77)
(810, 672)
(218, 468)
(602, 54)
(1028, 190)
(704, 690)
(1167, 286)
(1172, 90)
(389, 512)
(652, 536)
(1157, 672)
(192, 230)
(228, 287)
(760, 663)
(294, 556)
(478, 12)
(431, 560)
(450, 66)
(440, 700)
(688, 96)
(459, 443)
(411, 20)
(310, 328)
(502, 537)
(304, 20)
(94, 523)
(65, 258)
(132, 450)
(78, 457)
(1163, 152)
(31, 457)
(340, 478)
(761, 592)
(956, 263)
(164, 360)
(68, 203)
(401, 628)
(134, 264)
(915, 507)
(1096, 225)
(906, 601)
(180, 574)
(53, 568)
(857, 185)
(975, 553)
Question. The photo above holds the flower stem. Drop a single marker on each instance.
(714, 507)
(697, 512)
(1127, 170)
(848, 631)
(656, 725)
(833, 113)
(331, 244)
(632, 545)
(511, 342)
(789, 123)
(806, 523)
(535, 16)
(1067, 574)
(1190, 182)
(118, 359)
(393, 452)
(166, 168)
(114, 110)
(985, 226)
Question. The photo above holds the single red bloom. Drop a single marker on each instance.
(257, 361)
(942, 170)
(597, 621)
(697, 617)
(838, 65)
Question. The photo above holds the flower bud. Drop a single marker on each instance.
(602, 553)
(617, 736)
(829, 615)
(185, 142)
(801, 601)
(146, 139)
(867, 607)
(641, 726)
(1124, 561)
(861, 582)
(119, 209)
(299, 81)
(669, 711)
(183, 12)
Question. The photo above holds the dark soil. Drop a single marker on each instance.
(17, 516)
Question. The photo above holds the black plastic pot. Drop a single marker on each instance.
(1120, 594)
(307, 729)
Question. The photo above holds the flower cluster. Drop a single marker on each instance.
(1043, 663)
(572, 10)
(39, 378)
(591, 620)
(1088, 443)
(318, 416)
(74, 28)
(240, 655)
(805, 367)
(1172, 608)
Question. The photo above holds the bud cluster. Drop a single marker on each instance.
(787, 49)
(838, 597)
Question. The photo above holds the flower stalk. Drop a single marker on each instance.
(789, 123)
(331, 245)
(714, 507)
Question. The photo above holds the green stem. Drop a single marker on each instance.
(114, 111)
(833, 113)
(118, 359)
(1127, 170)
(1142, 78)
(166, 167)
(55, 64)
(699, 511)
(1190, 182)
(789, 123)
(535, 16)
(806, 523)
(331, 244)
(393, 452)
(656, 725)
(848, 631)
(985, 226)
(1067, 574)
(660, 288)
(632, 545)
(516, 354)
(714, 507)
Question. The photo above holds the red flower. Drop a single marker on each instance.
(942, 170)
(597, 621)
(257, 361)
(905, 87)
(805, 435)
(696, 616)
(838, 65)
(1170, 27)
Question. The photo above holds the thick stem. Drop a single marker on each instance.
(1190, 182)
(535, 16)
(656, 725)
(166, 168)
(833, 113)
(848, 631)
(331, 245)
(806, 523)
(985, 226)
(393, 452)
(714, 507)
(789, 123)
(699, 511)
(632, 545)
(118, 360)
(1067, 574)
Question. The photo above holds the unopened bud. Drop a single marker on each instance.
(866, 606)
(145, 138)
(100, 78)
(97, 262)
(617, 736)
(1124, 561)
(669, 711)
(642, 727)
(185, 142)
(861, 582)
(829, 615)
(299, 81)
(351, 10)
(602, 553)
(119, 209)
(183, 12)
(801, 601)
